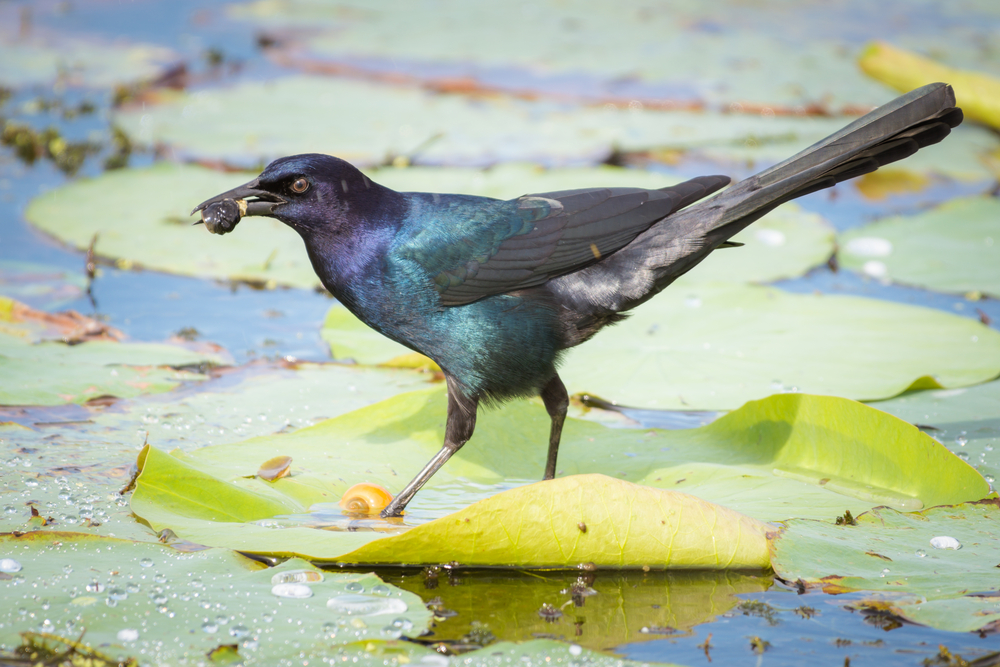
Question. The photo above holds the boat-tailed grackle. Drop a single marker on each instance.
(494, 291)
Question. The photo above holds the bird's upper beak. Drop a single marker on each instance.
(264, 203)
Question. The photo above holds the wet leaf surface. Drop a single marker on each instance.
(128, 597)
(893, 554)
(791, 455)
(965, 420)
(952, 248)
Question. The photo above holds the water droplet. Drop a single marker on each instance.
(128, 635)
(146, 562)
(9, 565)
(10, 509)
(945, 542)
(222, 620)
(159, 598)
(355, 587)
(990, 478)
(575, 650)
(921, 553)
(196, 583)
(330, 630)
(963, 455)
(390, 632)
(884, 572)
(209, 627)
(68, 569)
(132, 587)
(117, 594)
(381, 589)
(239, 631)
(267, 618)
(94, 586)
(365, 605)
(297, 577)
(961, 441)
(403, 624)
(160, 578)
(297, 591)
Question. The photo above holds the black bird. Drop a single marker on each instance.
(494, 291)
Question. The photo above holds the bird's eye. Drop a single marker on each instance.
(300, 185)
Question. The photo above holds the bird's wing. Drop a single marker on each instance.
(473, 247)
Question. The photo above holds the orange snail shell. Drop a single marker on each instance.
(365, 498)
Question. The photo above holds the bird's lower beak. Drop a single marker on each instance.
(221, 213)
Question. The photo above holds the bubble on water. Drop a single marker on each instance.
(239, 631)
(381, 589)
(298, 591)
(128, 635)
(297, 577)
(945, 542)
(355, 587)
(209, 627)
(146, 562)
(366, 605)
(9, 565)
(921, 553)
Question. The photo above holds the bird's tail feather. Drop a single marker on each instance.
(674, 246)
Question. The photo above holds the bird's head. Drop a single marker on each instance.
(307, 192)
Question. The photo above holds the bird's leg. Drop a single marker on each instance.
(461, 423)
(556, 402)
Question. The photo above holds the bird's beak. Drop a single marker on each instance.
(223, 212)
(264, 203)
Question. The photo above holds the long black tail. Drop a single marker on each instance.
(672, 247)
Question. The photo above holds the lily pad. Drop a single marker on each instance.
(53, 373)
(788, 455)
(369, 124)
(893, 552)
(966, 420)
(591, 50)
(128, 597)
(40, 285)
(70, 59)
(952, 248)
(78, 489)
(714, 347)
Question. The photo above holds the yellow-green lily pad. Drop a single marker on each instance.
(952, 248)
(786, 456)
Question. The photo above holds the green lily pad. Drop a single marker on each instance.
(893, 552)
(78, 490)
(53, 373)
(953, 248)
(788, 455)
(714, 347)
(966, 420)
(368, 124)
(130, 597)
(554, 46)
(70, 59)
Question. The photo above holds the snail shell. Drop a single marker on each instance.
(365, 498)
(276, 468)
(221, 217)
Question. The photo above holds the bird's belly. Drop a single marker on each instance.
(498, 347)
